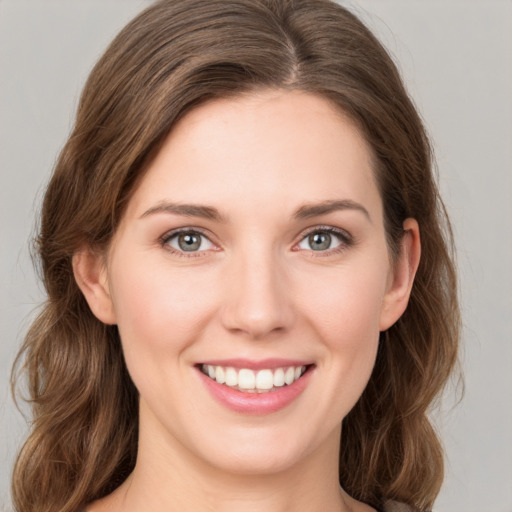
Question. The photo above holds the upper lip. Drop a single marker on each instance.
(252, 364)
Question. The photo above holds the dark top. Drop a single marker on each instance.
(394, 506)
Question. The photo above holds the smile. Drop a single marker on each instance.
(251, 381)
(255, 387)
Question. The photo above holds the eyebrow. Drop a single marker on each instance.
(305, 211)
(315, 209)
(187, 210)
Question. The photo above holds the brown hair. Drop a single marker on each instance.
(174, 56)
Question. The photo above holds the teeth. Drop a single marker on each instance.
(231, 377)
(264, 379)
(289, 376)
(279, 377)
(246, 379)
(251, 381)
(220, 375)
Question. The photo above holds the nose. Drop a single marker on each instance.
(257, 296)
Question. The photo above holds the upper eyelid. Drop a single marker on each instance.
(330, 229)
(188, 229)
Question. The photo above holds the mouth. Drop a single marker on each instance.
(247, 380)
(253, 387)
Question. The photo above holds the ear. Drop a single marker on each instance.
(402, 275)
(90, 272)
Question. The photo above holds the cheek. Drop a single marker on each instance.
(158, 306)
(160, 312)
(344, 311)
(345, 305)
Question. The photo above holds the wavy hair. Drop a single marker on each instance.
(174, 56)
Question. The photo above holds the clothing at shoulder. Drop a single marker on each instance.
(395, 506)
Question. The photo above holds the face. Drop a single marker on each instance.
(249, 279)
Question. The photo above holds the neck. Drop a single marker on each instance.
(193, 486)
(230, 493)
(167, 476)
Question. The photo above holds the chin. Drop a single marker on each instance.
(257, 462)
(260, 451)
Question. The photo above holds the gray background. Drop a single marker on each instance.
(456, 57)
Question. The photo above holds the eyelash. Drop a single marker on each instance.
(346, 241)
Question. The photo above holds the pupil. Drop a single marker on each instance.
(189, 242)
(320, 241)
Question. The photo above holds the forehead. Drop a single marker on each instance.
(271, 147)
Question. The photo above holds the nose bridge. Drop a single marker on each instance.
(256, 300)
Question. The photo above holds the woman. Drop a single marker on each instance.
(251, 298)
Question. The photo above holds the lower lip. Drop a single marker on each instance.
(256, 403)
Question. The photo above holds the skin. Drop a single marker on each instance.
(256, 289)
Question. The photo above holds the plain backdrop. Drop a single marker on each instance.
(456, 57)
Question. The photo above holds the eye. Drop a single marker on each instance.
(188, 241)
(324, 239)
